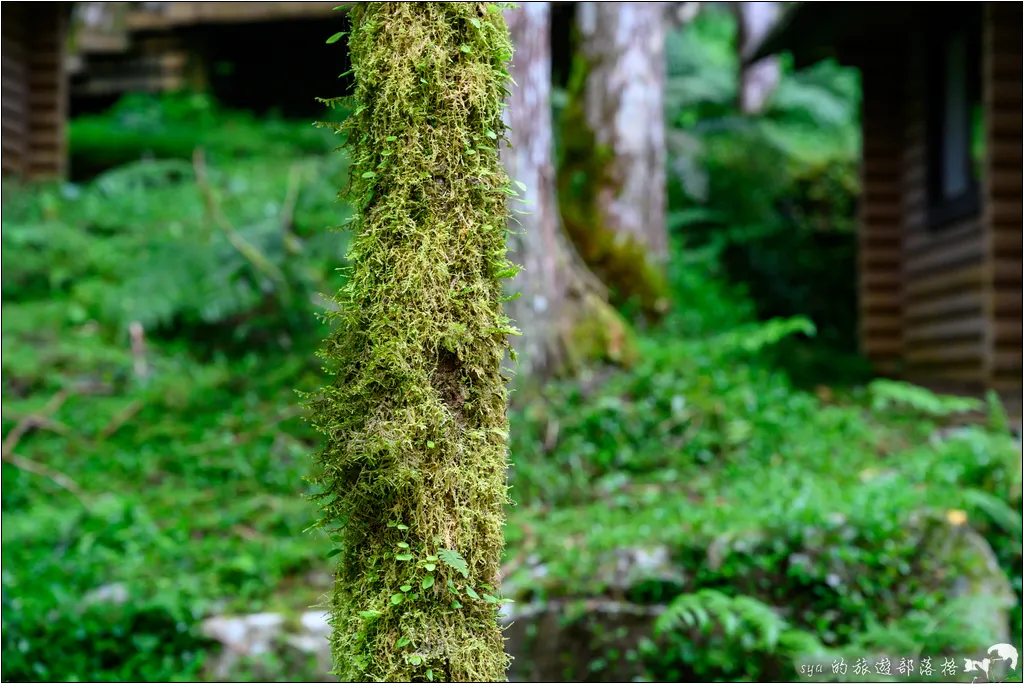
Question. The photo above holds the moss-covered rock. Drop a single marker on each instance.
(413, 468)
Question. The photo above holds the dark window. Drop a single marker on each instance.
(955, 135)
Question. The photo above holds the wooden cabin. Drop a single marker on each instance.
(34, 89)
(232, 50)
(940, 209)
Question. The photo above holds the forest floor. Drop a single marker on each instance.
(170, 464)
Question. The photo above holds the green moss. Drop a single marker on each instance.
(413, 468)
(584, 173)
(599, 333)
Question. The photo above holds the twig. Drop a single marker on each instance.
(291, 196)
(139, 350)
(52, 474)
(241, 438)
(33, 420)
(36, 420)
(121, 418)
(255, 258)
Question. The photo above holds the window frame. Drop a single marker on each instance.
(946, 210)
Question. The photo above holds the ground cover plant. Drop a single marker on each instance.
(159, 316)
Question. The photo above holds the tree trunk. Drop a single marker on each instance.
(613, 176)
(564, 314)
(754, 20)
(413, 468)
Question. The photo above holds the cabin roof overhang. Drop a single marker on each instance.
(844, 31)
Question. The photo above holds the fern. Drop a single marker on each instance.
(454, 560)
(996, 510)
(887, 394)
(753, 625)
(754, 338)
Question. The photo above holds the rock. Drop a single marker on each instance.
(628, 568)
(969, 567)
(115, 594)
(617, 573)
(248, 636)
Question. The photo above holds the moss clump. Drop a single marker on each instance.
(413, 468)
(585, 172)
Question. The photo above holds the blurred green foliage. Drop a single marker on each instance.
(170, 126)
(777, 190)
(187, 458)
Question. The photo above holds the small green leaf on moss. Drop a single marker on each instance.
(471, 152)
(406, 588)
(430, 445)
(472, 593)
(369, 174)
(335, 38)
(369, 614)
(431, 558)
(456, 605)
(396, 599)
(492, 135)
(490, 599)
(415, 660)
(465, 48)
(454, 560)
(430, 675)
(402, 545)
(403, 641)
(521, 185)
(428, 582)
(429, 567)
(333, 552)
(402, 527)
(403, 556)
(475, 22)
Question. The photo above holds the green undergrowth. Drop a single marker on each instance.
(172, 477)
(798, 527)
(170, 126)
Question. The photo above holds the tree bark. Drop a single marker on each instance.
(563, 312)
(754, 20)
(413, 470)
(613, 176)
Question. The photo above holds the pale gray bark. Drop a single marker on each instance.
(754, 21)
(557, 289)
(624, 45)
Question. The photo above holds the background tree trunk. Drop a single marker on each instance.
(613, 176)
(754, 20)
(563, 311)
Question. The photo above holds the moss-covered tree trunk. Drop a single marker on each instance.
(413, 468)
(564, 313)
(612, 180)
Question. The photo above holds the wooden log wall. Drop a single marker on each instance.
(945, 326)
(34, 90)
(880, 237)
(1003, 194)
(14, 93)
